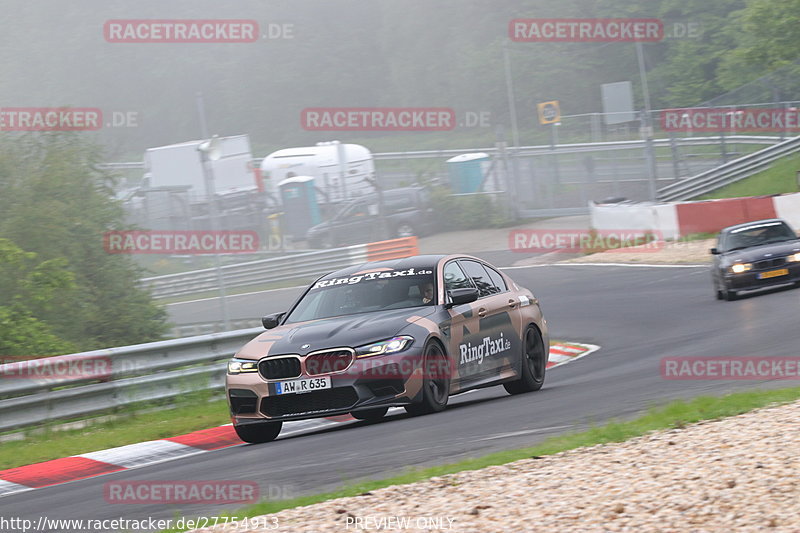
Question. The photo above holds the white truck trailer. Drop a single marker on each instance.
(341, 171)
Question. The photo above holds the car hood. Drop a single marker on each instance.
(765, 251)
(352, 330)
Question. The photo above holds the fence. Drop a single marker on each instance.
(596, 162)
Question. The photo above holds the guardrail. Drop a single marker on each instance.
(728, 173)
(532, 150)
(296, 266)
(37, 391)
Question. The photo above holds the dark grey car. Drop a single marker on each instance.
(754, 255)
(406, 212)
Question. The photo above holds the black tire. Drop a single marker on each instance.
(534, 364)
(258, 432)
(404, 229)
(728, 295)
(370, 415)
(717, 291)
(435, 382)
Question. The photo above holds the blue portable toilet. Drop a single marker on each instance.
(467, 171)
(300, 207)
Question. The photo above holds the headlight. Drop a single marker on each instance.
(393, 345)
(794, 258)
(738, 268)
(242, 366)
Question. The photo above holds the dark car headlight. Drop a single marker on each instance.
(242, 366)
(738, 268)
(389, 346)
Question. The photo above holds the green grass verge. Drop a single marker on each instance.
(674, 415)
(44, 444)
(778, 178)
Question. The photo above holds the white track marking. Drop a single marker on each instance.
(7, 487)
(634, 265)
(524, 432)
(142, 453)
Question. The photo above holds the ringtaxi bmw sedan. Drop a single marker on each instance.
(407, 332)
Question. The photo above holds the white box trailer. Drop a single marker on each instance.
(180, 165)
(341, 171)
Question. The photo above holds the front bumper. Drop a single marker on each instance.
(751, 279)
(376, 381)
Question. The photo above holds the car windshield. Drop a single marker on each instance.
(757, 235)
(365, 292)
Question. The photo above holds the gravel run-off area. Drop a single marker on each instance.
(738, 474)
(678, 252)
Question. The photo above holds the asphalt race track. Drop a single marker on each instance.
(636, 314)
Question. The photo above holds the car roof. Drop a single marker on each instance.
(753, 223)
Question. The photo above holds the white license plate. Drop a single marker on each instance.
(299, 386)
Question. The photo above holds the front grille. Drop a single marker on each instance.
(243, 401)
(279, 367)
(326, 362)
(311, 402)
(769, 263)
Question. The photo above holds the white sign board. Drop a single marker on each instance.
(618, 102)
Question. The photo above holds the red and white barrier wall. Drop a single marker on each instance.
(673, 220)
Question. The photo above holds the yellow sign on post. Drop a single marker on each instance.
(549, 112)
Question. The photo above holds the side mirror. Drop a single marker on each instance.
(462, 296)
(714, 251)
(271, 321)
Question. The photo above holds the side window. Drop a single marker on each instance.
(359, 210)
(480, 277)
(497, 279)
(454, 277)
(396, 204)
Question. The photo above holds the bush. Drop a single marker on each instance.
(473, 211)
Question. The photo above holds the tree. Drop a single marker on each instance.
(54, 203)
(26, 285)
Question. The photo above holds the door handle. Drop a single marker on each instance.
(512, 303)
(481, 312)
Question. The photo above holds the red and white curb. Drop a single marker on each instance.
(148, 453)
(561, 354)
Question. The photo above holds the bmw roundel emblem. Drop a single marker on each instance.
(305, 346)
